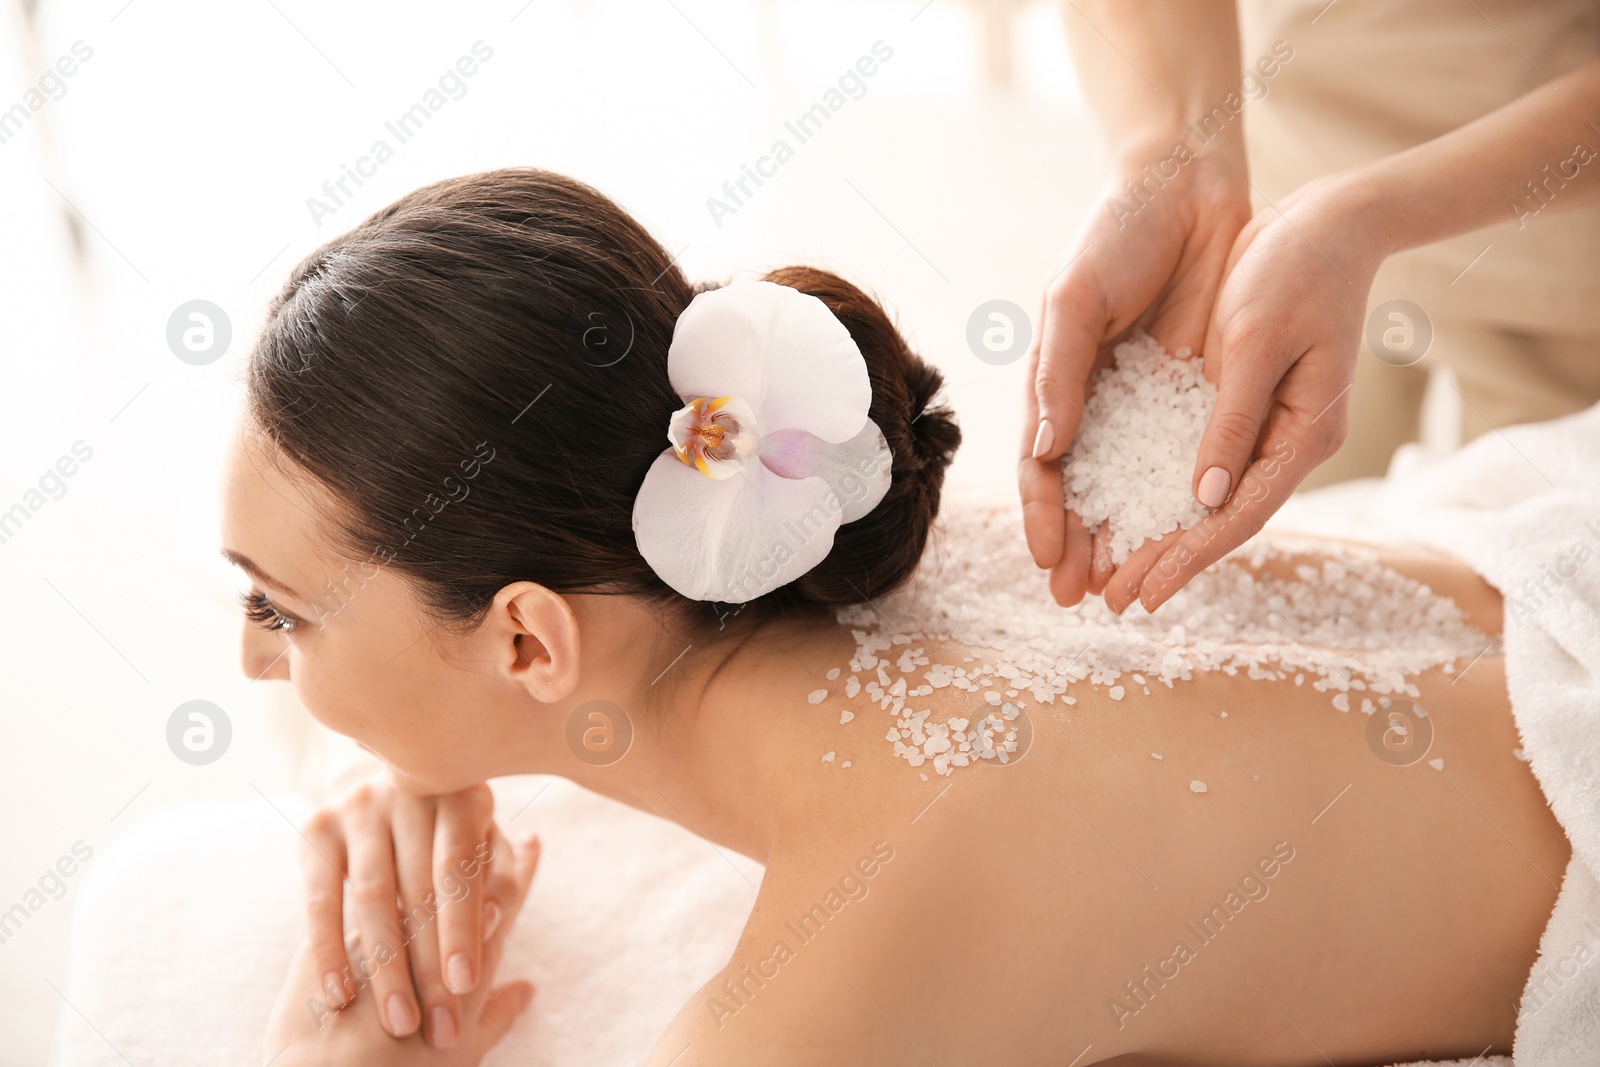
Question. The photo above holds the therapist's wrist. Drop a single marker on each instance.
(1373, 208)
(1354, 221)
(1176, 155)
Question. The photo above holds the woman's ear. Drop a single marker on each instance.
(536, 635)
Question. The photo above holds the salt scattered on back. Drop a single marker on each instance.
(1155, 755)
(1347, 625)
(1197, 786)
(845, 716)
(818, 696)
(1132, 463)
(828, 758)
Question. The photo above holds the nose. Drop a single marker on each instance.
(264, 655)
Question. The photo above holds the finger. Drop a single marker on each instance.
(514, 867)
(1075, 321)
(507, 889)
(413, 850)
(323, 866)
(1100, 564)
(1251, 371)
(1029, 424)
(1039, 483)
(1069, 579)
(1122, 587)
(1289, 453)
(527, 852)
(1043, 510)
(461, 856)
(374, 890)
(494, 1016)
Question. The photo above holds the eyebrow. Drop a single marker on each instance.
(250, 567)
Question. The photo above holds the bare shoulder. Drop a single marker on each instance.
(792, 992)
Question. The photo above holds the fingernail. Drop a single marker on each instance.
(491, 919)
(334, 987)
(443, 1026)
(1043, 439)
(399, 1013)
(459, 973)
(1213, 488)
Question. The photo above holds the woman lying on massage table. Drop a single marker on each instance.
(493, 528)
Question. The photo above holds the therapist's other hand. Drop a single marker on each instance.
(1155, 260)
(1281, 348)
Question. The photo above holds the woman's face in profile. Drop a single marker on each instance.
(363, 656)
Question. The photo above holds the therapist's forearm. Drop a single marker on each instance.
(1538, 154)
(1148, 67)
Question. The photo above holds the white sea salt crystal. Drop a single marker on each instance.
(827, 758)
(1155, 755)
(1117, 692)
(846, 763)
(852, 686)
(892, 735)
(1436, 764)
(1133, 460)
(1197, 786)
(845, 716)
(1353, 626)
(818, 696)
(1341, 701)
(833, 673)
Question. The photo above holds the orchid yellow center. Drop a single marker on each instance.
(714, 436)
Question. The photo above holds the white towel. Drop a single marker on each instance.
(183, 934)
(1522, 506)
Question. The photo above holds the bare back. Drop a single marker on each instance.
(1226, 871)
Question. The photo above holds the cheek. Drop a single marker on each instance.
(394, 705)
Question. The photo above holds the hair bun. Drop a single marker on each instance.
(877, 553)
(933, 427)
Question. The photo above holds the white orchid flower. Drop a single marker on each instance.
(772, 450)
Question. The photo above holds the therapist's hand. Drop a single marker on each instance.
(1281, 348)
(1159, 267)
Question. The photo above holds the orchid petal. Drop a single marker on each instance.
(735, 539)
(856, 470)
(780, 350)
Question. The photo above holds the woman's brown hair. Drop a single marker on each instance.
(478, 373)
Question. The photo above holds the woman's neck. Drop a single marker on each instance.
(708, 742)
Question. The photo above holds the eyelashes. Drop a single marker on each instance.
(259, 610)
